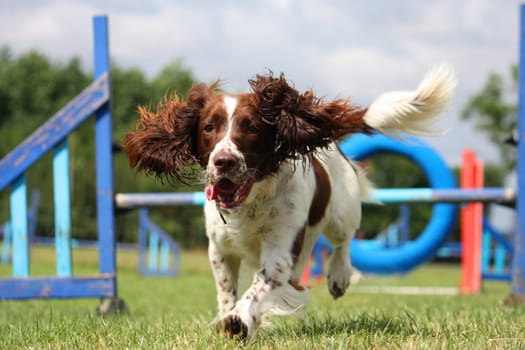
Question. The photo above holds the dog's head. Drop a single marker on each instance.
(237, 138)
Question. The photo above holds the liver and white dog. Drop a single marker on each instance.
(275, 179)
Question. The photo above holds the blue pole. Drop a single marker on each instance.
(518, 263)
(143, 238)
(486, 252)
(18, 204)
(61, 195)
(499, 259)
(104, 166)
(153, 251)
(164, 262)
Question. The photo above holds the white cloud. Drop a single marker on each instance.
(55, 29)
(349, 48)
(282, 6)
(367, 71)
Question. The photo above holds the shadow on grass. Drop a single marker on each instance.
(361, 324)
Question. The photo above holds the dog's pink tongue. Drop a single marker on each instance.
(210, 192)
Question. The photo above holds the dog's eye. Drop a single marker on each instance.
(209, 128)
(252, 129)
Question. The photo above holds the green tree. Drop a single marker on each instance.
(174, 78)
(131, 89)
(33, 88)
(392, 171)
(494, 111)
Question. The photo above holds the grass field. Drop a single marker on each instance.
(174, 313)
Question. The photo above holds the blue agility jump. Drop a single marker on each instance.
(497, 248)
(159, 254)
(52, 136)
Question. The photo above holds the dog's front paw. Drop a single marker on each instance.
(232, 326)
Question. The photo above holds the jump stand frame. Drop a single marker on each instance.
(159, 254)
(52, 135)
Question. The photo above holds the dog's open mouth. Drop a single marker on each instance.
(228, 193)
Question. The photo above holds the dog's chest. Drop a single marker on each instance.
(244, 228)
(243, 231)
(276, 208)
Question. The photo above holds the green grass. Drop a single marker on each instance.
(174, 313)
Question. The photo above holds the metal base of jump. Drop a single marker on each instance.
(112, 306)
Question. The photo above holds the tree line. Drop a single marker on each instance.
(33, 88)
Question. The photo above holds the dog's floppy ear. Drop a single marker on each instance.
(164, 142)
(303, 122)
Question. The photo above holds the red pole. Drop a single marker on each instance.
(305, 277)
(471, 226)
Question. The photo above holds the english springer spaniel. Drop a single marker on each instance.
(275, 179)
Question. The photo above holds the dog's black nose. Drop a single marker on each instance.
(225, 162)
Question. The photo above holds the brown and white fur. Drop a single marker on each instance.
(275, 179)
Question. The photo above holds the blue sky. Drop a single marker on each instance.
(355, 49)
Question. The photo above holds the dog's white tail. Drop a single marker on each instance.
(413, 112)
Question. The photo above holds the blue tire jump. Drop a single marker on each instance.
(411, 254)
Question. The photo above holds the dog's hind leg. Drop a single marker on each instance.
(339, 270)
